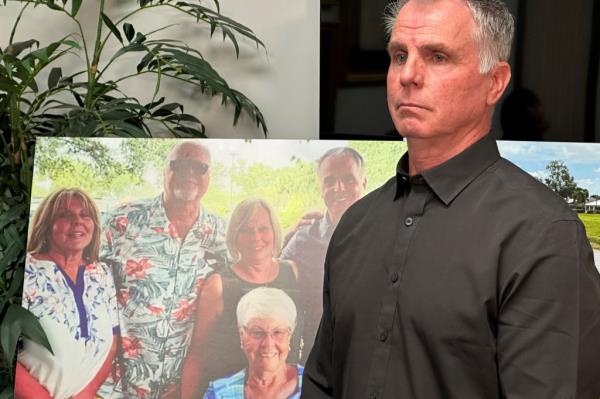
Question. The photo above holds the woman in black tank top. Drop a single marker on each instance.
(254, 241)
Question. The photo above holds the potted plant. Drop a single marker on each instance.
(88, 104)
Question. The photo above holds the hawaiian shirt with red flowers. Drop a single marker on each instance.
(157, 277)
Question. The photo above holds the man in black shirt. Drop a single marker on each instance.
(462, 277)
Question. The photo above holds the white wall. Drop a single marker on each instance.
(283, 82)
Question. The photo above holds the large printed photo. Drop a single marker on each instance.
(163, 268)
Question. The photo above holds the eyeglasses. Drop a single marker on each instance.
(197, 167)
(278, 334)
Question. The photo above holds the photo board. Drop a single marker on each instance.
(204, 258)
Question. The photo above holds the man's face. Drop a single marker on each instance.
(342, 183)
(187, 173)
(434, 87)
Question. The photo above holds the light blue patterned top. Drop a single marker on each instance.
(232, 387)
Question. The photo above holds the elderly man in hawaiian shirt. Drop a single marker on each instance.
(160, 251)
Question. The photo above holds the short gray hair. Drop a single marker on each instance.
(266, 303)
(495, 27)
(240, 216)
(343, 151)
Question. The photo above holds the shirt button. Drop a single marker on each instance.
(394, 277)
(408, 221)
(383, 336)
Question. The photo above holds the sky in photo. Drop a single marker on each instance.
(582, 159)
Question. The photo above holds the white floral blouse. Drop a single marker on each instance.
(79, 317)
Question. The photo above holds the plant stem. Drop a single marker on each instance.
(96, 58)
(15, 123)
(14, 29)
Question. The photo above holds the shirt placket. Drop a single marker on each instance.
(164, 329)
(409, 211)
(169, 323)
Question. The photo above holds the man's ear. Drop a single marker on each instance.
(499, 78)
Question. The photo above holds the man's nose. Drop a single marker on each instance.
(411, 72)
(338, 185)
(188, 171)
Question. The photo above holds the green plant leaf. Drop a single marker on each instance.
(13, 249)
(78, 99)
(185, 131)
(131, 47)
(216, 19)
(167, 109)
(227, 33)
(9, 216)
(129, 31)
(155, 103)
(33, 85)
(75, 5)
(129, 129)
(54, 77)
(7, 391)
(182, 118)
(53, 6)
(19, 322)
(112, 27)
(16, 48)
(71, 43)
(177, 61)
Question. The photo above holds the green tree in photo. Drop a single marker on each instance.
(560, 180)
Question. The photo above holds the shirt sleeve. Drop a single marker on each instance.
(111, 300)
(317, 378)
(219, 247)
(27, 283)
(109, 235)
(290, 250)
(549, 316)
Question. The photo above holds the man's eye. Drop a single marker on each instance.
(400, 58)
(329, 181)
(349, 179)
(439, 57)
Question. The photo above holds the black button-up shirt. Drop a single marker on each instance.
(470, 280)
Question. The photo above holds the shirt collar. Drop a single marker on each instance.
(159, 214)
(450, 178)
(326, 226)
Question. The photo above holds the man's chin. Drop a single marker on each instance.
(340, 209)
(185, 195)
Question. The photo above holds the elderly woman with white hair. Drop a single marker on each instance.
(254, 241)
(266, 320)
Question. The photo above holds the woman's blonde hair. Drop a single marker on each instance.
(41, 225)
(240, 216)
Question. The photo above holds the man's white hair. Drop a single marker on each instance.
(495, 27)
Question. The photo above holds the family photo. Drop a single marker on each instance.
(170, 268)
(163, 268)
